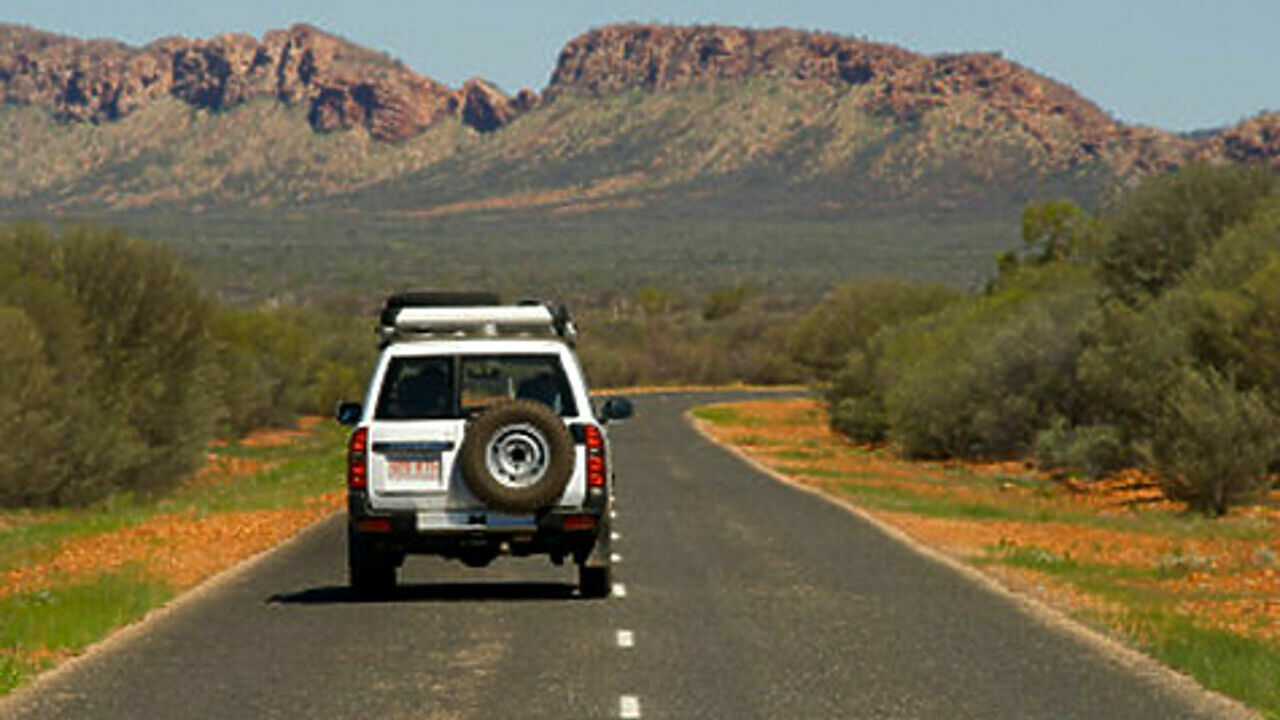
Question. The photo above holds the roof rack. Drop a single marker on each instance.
(447, 316)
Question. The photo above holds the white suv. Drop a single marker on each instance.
(477, 438)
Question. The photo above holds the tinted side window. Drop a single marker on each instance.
(417, 388)
(491, 379)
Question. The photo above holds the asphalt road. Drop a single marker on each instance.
(744, 598)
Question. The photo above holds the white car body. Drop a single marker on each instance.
(450, 505)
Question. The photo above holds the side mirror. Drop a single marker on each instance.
(617, 409)
(348, 413)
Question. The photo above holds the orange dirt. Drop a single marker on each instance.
(1228, 582)
(183, 548)
(277, 437)
(224, 469)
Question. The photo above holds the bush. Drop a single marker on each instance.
(1092, 450)
(1160, 228)
(982, 378)
(1213, 444)
(861, 418)
(1224, 317)
(26, 380)
(118, 370)
(848, 318)
(122, 344)
(274, 363)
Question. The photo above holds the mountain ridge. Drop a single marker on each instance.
(342, 85)
(624, 108)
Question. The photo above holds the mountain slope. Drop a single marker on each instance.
(633, 115)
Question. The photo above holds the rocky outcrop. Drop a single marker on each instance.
(659, 57)
(893, 82)
(342, 85)
(1256, 140)
(486, 108)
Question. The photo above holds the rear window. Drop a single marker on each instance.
(492, 379)
(417, 388)
(425, 388)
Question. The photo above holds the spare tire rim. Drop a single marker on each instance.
(517, 456)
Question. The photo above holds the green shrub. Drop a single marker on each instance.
(1092, 450)
(1223, 317)
(1160, 228)
(861, 418)
(122, 338)
(118, 370)
(26, 382)
(982, 378)
(1213, 443)
(849, 317)
(274, 363)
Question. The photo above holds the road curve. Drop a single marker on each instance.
(740, 598)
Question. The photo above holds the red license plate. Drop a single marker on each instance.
(414, 470)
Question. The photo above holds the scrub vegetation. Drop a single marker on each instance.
(119, 371)
(1139, 335)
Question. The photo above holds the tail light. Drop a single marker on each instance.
(358, 460)
(596, 470)
(579, 522)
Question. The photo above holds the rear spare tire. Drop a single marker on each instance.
(517, 456)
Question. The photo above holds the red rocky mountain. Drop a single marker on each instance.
(341, 84)
(901, 84)
(919, 119)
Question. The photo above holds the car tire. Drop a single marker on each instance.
(371, 573)
(517, 456)
(595, 581)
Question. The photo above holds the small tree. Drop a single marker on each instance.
(1051, 228)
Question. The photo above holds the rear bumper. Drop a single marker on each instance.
(398, 532)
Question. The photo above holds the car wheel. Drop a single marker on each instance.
(371, 573)
(595, 582)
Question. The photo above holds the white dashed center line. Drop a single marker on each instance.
(614, 536)
(628, 706)
(615, 557)
(626, 639)
(619, 590)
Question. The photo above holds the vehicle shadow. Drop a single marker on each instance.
(432, 592)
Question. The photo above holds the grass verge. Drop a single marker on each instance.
(40, 628)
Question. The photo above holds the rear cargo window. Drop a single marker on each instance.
(417, 388)
(492, 379)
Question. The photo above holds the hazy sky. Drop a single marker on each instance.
(1176, 64)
